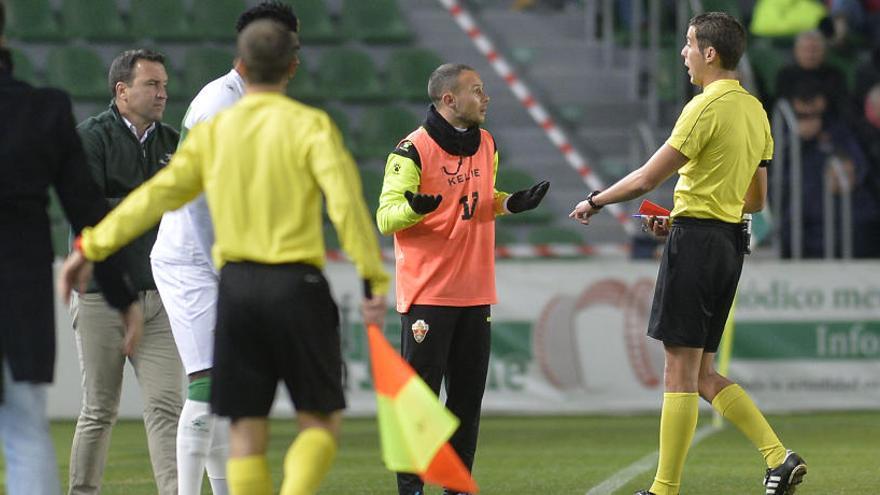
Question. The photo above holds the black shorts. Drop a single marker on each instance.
(697, 282)
(275, 322)
(448, 342)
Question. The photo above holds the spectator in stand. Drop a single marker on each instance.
(861, 17)
(867, 240)
(825, 137)
(867, 75)
(810, 67)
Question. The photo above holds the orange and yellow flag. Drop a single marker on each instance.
(413, 425)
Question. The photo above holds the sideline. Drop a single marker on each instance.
(626, 474)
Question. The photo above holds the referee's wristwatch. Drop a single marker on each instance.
(591, 202)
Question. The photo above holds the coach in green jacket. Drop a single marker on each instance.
(125, 146)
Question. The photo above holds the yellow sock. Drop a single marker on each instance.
(678, 421)
(307, 461)
(248, 475)
(734, 405)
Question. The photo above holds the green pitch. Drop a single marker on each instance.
(560, 455)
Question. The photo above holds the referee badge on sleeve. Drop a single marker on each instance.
(420, 330)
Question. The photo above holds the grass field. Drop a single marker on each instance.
(561, 455)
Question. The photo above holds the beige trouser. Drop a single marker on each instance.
(99, 334)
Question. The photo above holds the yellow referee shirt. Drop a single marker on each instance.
(725, 133)
(263, 164)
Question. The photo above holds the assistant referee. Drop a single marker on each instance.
(718, 142)
(263, 165)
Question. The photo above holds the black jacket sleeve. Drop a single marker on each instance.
(82, 202)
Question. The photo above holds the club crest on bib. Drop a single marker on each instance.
(420, 330)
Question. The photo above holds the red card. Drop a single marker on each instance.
(652, 209)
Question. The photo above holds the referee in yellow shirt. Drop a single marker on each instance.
(263, 164)
(719, 147)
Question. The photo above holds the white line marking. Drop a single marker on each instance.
(626, 474)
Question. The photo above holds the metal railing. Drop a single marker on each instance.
(788, 145)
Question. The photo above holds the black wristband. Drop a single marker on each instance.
(590, 200)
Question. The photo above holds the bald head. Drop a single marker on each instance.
(267, 49)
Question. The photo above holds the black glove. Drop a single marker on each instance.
(423, 203)
(527, 199)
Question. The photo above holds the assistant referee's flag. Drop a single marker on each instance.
(413, 425)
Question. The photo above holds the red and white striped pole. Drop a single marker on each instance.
(525, 96)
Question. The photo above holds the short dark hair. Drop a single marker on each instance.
(122, 67)
(267, 48)
(723, 32)
(445, 78)
(276, 11)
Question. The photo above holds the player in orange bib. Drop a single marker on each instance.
(440, 202)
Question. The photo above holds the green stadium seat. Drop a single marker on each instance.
(766, 61)
(340, 118)
(315, 24)
(408, 70)
(79, 71)
(376, 21)
(303, 86)
(215, 19)
(731, 7)
(372, 184)
(554, 235)
(512, 179)
(94, 20)
(160, 20)
(174, 113)
(504, 237)
(32, 20)
(669, 74)
(381, 128)
(203, 65)
(349, 74)
(22, 67)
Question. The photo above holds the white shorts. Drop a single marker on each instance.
(189, 294)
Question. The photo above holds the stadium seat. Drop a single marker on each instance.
(315, 24)
(376, 21)
(766, 60)
(174, 112)
(79, 71)
(349, 74)
(160, 20)
(340, 118)
(31, 20)
(408, 70)
(846, 64)
(372, 183)
(60, 229)
(203, 65)
(554, 235)
(215, 19)
(504, 237)
(381, 128)
(303, 87)
(22, 67)
(94, 20)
